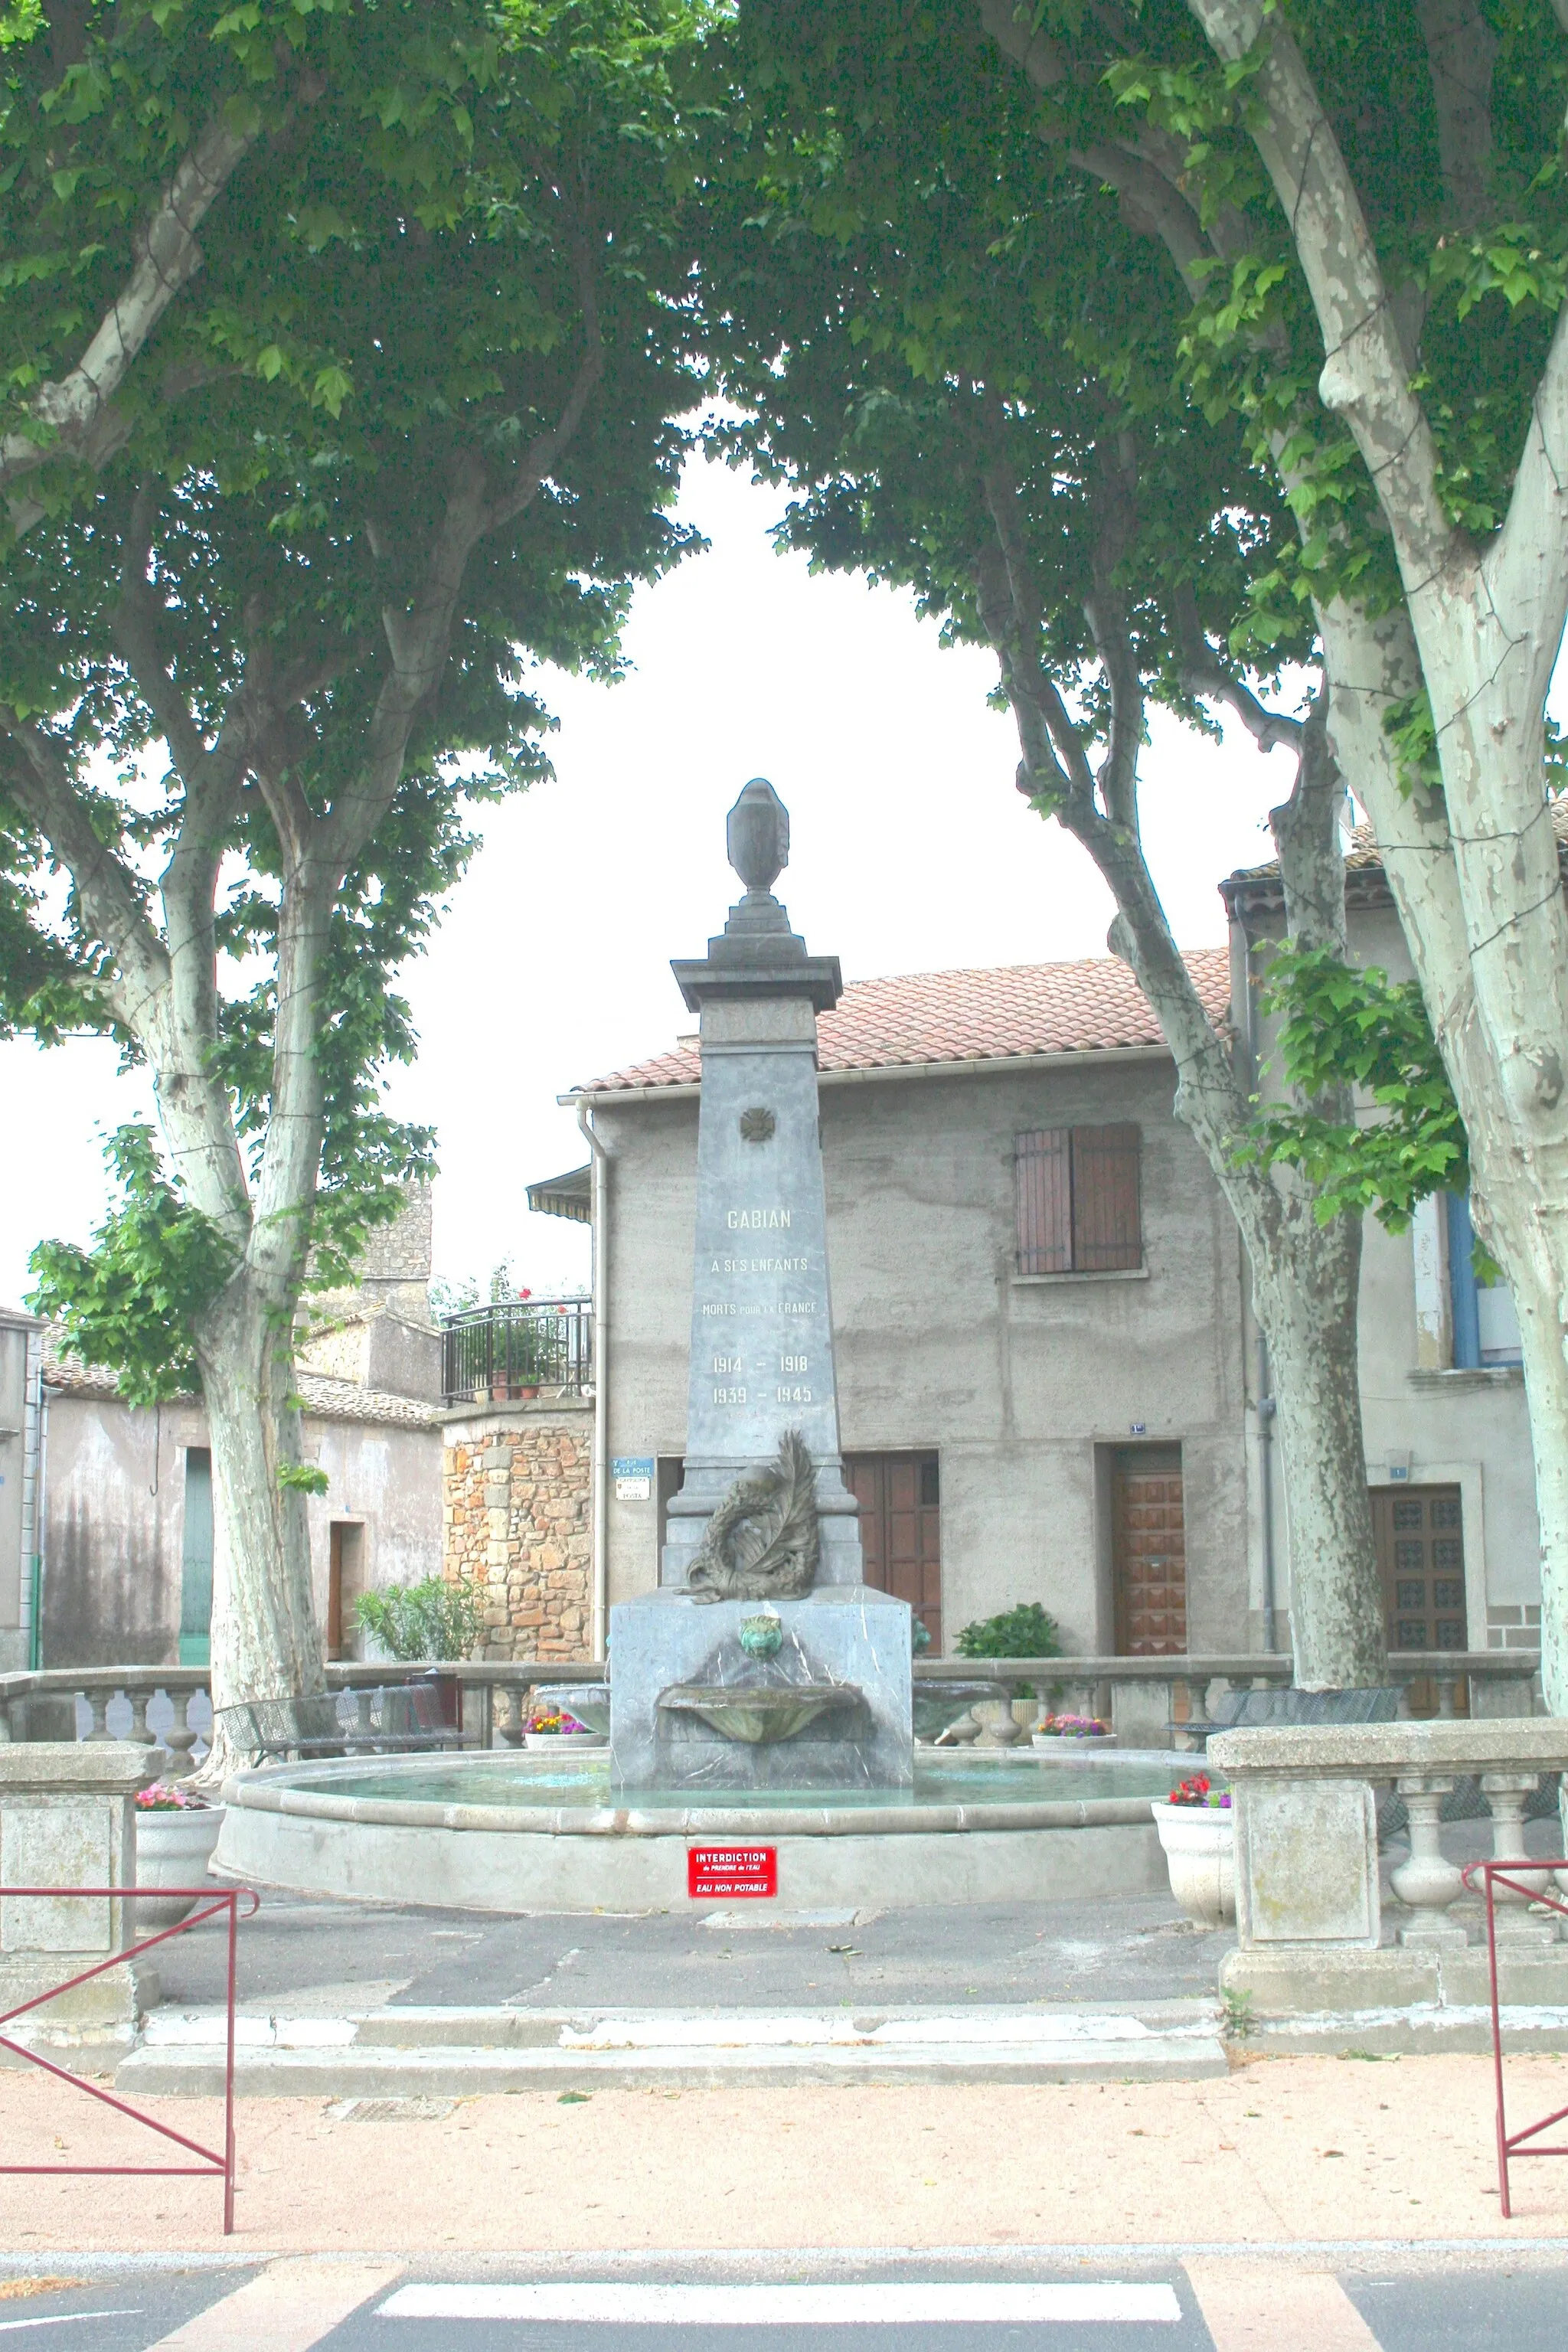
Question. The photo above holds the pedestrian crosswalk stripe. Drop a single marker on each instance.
(902, 2304)
(287, 2308)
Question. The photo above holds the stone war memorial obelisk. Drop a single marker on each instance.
(763, 1661)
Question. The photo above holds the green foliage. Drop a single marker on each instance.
(1341, 1025)
(302, 1478)
(130, 1300)
(1025, 1632)
(448, 212)
(434, 1619)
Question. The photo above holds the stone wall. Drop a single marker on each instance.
(517, 1518)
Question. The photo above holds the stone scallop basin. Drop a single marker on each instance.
(505, 1832)
(757, 1712)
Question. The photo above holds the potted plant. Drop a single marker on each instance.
(176, 1833)
(1026, 1632)
(1051, 1728)
(1197, 1830)
(548, 1726)
(438, 1617)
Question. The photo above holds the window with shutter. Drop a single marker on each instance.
(1078, 1206)
(1044, 1201)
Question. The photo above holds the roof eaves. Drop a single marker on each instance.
(954, 1066)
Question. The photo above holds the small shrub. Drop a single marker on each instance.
(431, 1619)
(1027, 1631)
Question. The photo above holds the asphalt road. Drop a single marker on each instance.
(1469, 2303)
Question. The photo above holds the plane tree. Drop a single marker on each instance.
(1364, 205)
(405, 425)
(966, 393)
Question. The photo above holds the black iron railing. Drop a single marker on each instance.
(518, 1347)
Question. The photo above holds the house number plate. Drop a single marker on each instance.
(726, 1871)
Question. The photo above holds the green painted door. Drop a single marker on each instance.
(196, 1561)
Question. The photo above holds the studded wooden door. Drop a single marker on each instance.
(1149, 1552)
(1419, 1532)
(899, 1496)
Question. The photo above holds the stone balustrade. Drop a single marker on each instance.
(170, 1708)
(1316, 1938)
(1148, 1702)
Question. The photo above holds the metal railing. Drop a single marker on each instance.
(207, 1902)
(517, 1349)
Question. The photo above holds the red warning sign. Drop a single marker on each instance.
(720, 1871)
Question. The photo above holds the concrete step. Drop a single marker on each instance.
(425, 2053)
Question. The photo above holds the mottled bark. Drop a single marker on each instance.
(1306, 1276)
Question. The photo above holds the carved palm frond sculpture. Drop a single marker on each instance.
(762, 1542)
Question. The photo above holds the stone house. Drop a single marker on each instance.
(119, 1536)
(1049, 1380)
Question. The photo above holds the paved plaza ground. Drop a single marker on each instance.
(321, 1956)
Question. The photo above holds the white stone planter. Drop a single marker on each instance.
(173, 1848)
(1200, 1854)
(1062, 1743)
(562, 1740)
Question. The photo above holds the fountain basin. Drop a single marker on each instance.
(521, 1832)
(757, 1713)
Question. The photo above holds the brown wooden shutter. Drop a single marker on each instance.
(1107, 1234)
(1044, 1184)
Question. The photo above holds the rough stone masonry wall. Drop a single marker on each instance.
(517, 1518)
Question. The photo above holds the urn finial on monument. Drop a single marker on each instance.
(756, 835)
(757, 954)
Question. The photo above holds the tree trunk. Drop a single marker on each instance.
(1305, 1296)
(1492, 980)
(266, 1642)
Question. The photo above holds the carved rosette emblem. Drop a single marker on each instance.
(757, 1125)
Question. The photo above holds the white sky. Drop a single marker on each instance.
(912, 852)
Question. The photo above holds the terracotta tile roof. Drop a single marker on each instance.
(994, 1015)
(324, 1400)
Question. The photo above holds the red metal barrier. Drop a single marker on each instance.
(211, 2162)
(1520, 1878)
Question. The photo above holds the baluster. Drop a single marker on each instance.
(97, 1700)
(180, 1739)
(1505, 1792)
(1185, 1705)
(139, 1731)
(1403, 1709)
(1446, 1688)
(1427, 1882)
(509, 1716)
(997, 1726)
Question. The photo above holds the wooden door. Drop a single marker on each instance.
(1419, 1532)
(1149, 1552)
(899, 1496)
(344, 1584)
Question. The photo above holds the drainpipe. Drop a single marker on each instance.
(1265, 1408)
(599, 1211)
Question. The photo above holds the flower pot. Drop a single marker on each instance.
(567, 1742)
(1200, 1854)
(1060, 1739)
(173, 1848)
